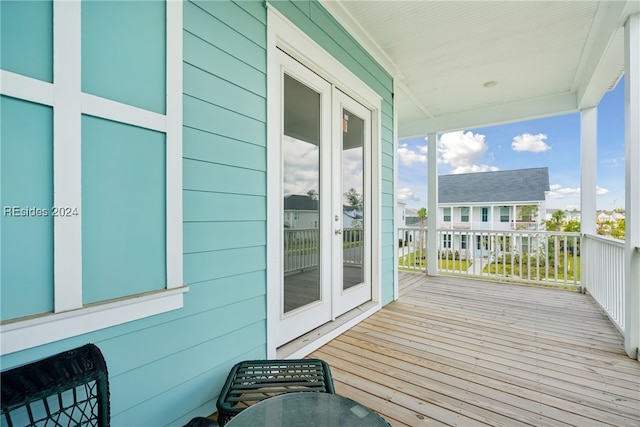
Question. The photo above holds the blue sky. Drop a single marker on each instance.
(552, 142)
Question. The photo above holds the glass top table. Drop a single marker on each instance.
(307, 409)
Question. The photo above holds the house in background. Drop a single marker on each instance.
(491, 201)
(300, 211)
(500, 200)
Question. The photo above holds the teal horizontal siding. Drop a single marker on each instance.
(26, 177)
(387, 118)
(387, 199)
(26, 38)
(204, 303)
(205, 206)
(139, 385)
(214, 90)
(388, 240)
(387, 160)
(124, 52)
(202, 115)
(202, 266)
(202, 380)
(245, 17)
(123, 210)
(226, 38)
(166, 340)
(213, 177)
(208, 57)
(387, 293)
(387, 173)
(256, 9)
(206, 146)
(214, 236)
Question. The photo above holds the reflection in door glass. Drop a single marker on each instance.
(301, 198)
(353, 201)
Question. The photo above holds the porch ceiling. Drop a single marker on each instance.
(546, 57)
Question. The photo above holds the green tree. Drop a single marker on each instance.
(422, 214)
(354, 198)
(572, 226)
(313, 194)
(555, 223)
(618, 230)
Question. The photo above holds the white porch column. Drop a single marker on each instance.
(492, 219)
(588, 165)
(432, 206)
(632, 186)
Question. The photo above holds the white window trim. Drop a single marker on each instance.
(70, 317)
(283, 34)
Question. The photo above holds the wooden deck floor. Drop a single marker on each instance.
(463, 352)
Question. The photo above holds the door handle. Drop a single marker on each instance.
(338, 231)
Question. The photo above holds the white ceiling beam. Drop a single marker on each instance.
(602, 60)
(489, 116)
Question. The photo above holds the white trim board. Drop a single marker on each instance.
(48, 328)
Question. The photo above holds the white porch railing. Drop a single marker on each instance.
(540, 257)
(302, 248)
(604, 275)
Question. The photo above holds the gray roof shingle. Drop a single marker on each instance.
(518, 185)
(299, 202)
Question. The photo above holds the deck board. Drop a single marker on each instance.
(465, 352)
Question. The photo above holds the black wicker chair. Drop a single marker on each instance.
(252, 381)
(67, 389)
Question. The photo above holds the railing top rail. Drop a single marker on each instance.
(605, 239)
(505, 232)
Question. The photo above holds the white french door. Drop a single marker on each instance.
(351, 183)
(325, 189)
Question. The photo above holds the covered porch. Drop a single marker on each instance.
(453, 351)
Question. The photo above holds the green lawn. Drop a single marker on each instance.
(534, 272)
(443, 264)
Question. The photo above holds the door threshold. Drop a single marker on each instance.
(313, 340)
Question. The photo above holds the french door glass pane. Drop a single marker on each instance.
(301, 198)
(353, 135)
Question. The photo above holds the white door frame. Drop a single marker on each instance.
(282, 34)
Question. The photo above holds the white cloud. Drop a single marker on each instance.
(301, 171)
(613, 162)
(408, 157)
(352, 169)
(560, 192)
(474, 168)
(463, 151)
(406, 194)
(531, 143)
